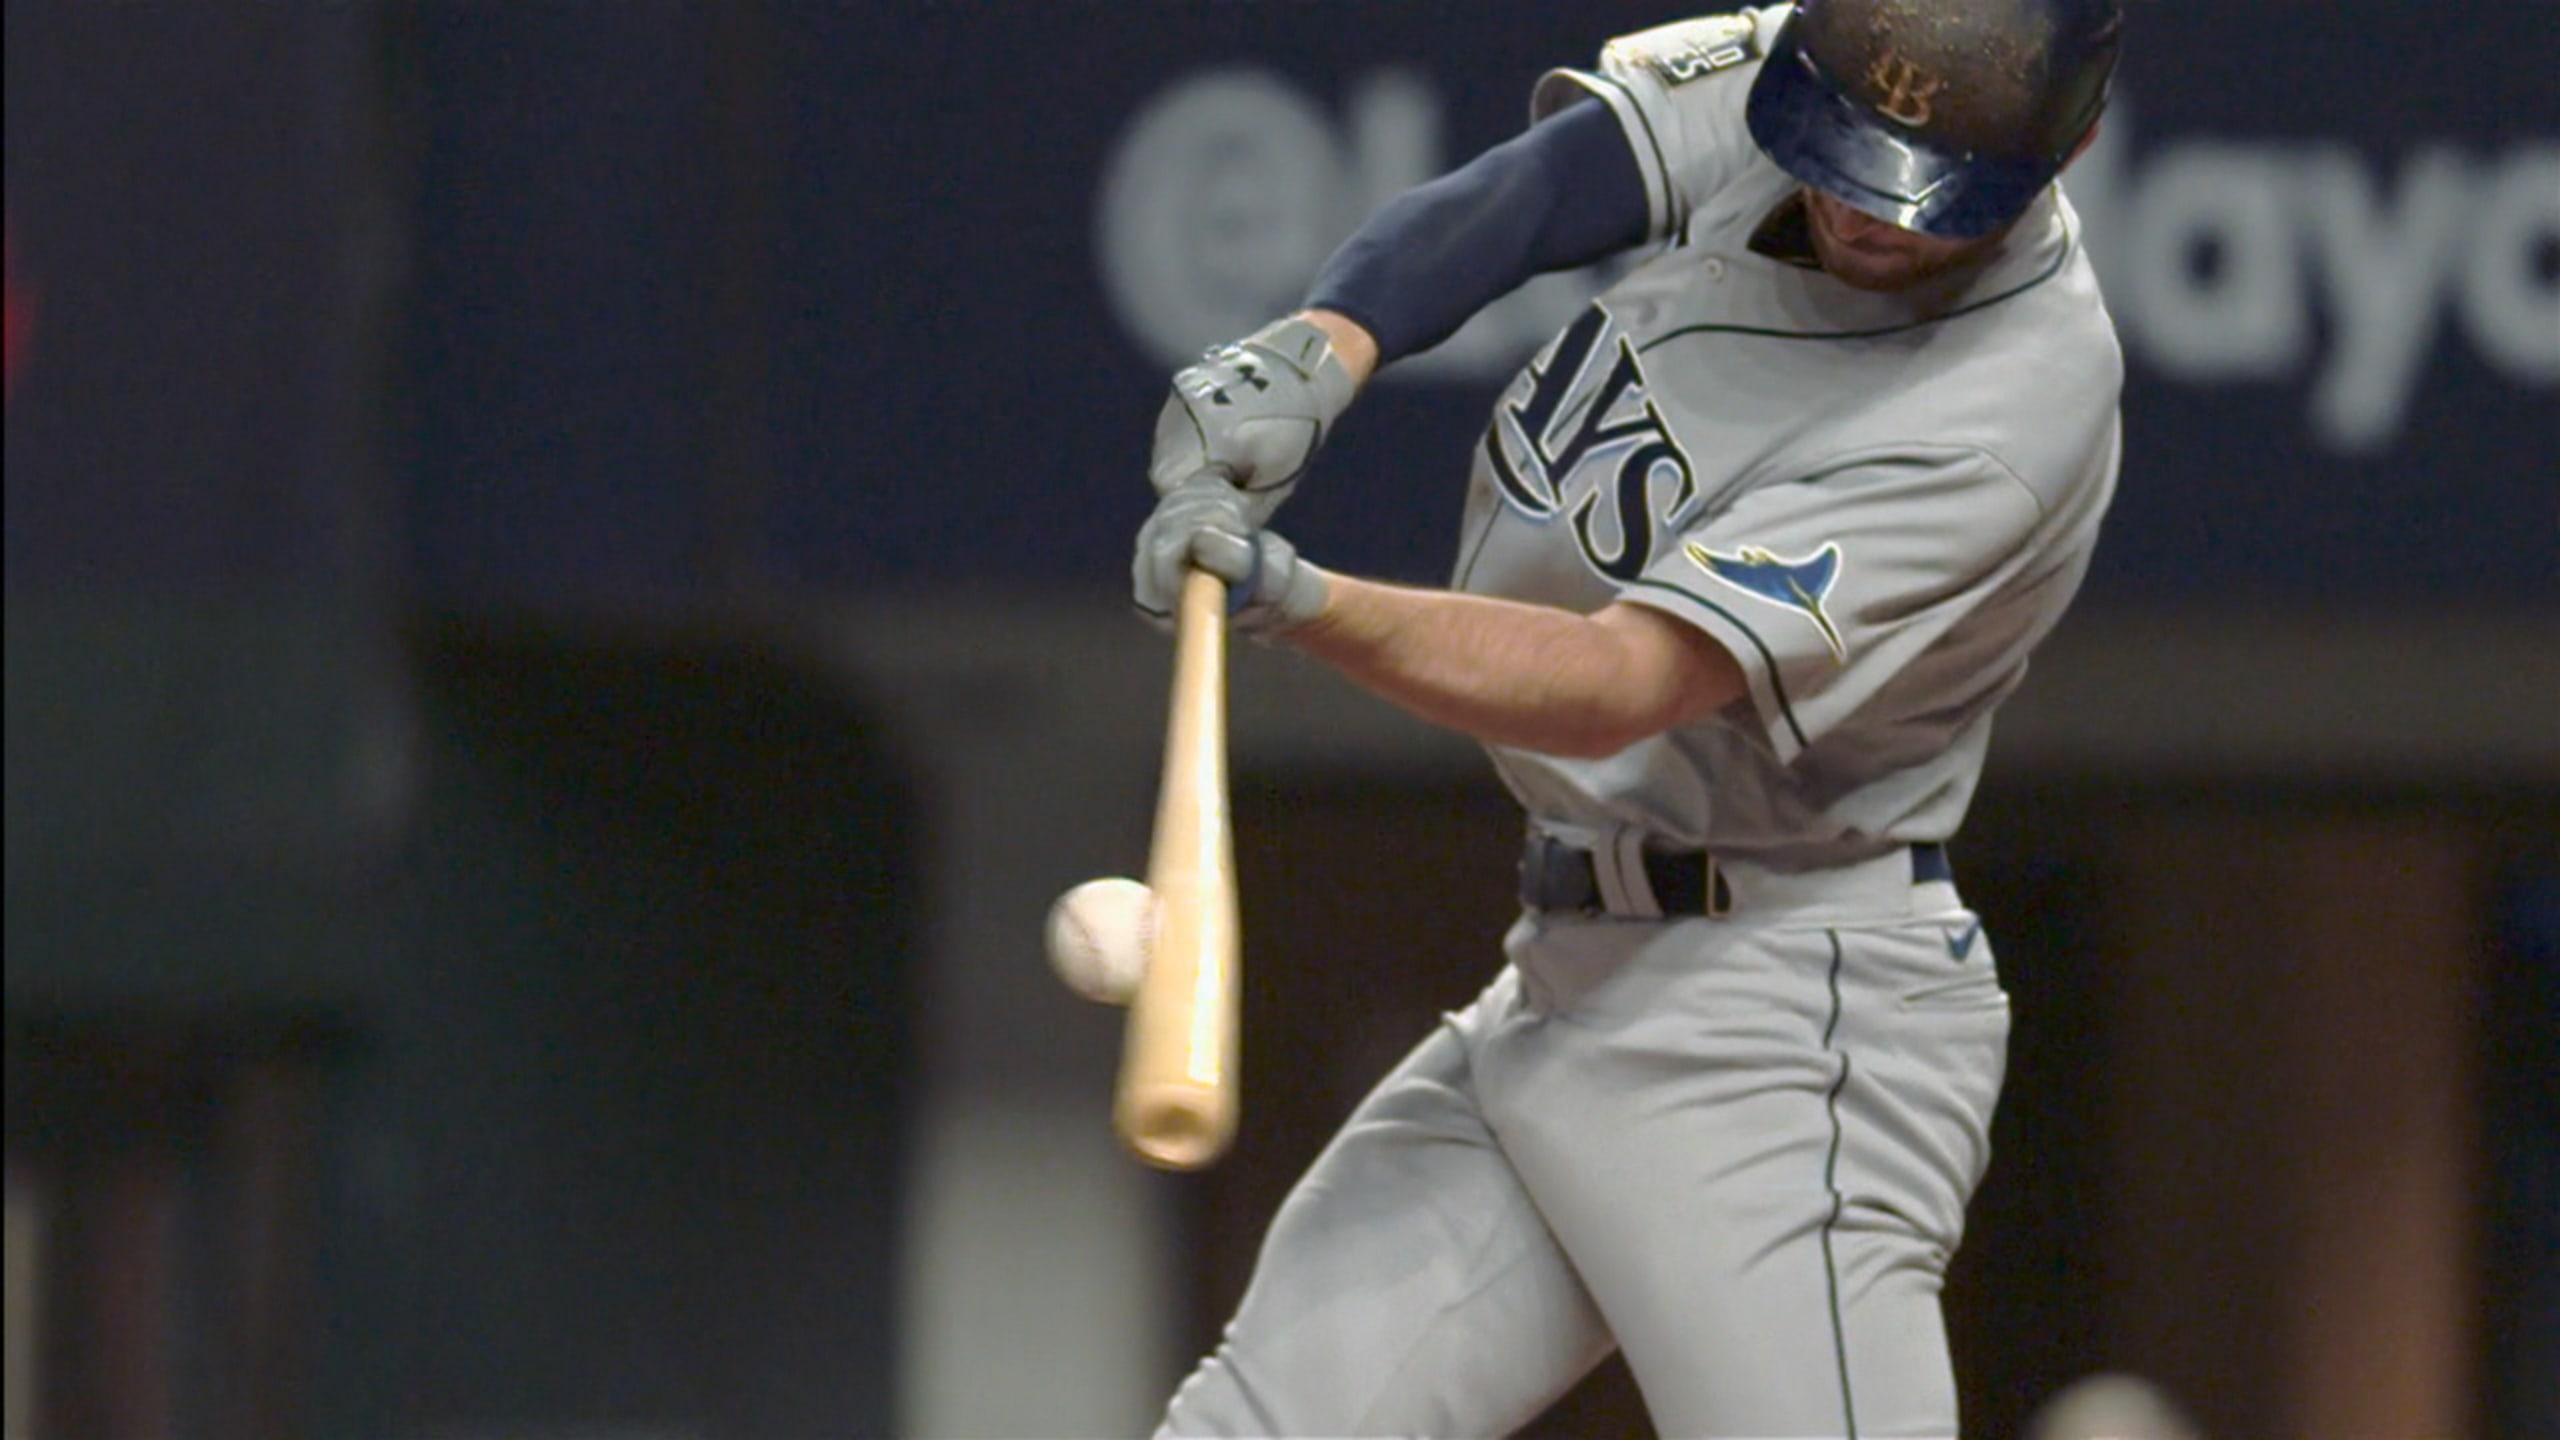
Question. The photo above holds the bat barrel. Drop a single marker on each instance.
(1176, 1101)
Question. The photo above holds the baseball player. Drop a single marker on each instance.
(1751, 552)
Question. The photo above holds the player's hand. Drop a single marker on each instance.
(1204, 523)
(1253, 411)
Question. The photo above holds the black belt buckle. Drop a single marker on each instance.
(1688, 883)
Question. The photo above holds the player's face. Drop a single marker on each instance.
(1865, 252)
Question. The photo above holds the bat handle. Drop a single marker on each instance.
(1204, 605)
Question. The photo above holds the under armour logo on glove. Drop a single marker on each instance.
(1247, 372)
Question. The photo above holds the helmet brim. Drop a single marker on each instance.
(1824, 139)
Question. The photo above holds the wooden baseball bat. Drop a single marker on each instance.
(1176, 1101)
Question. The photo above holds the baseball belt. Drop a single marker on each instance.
(1559, 876)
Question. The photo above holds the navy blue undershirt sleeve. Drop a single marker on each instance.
(1562, 194)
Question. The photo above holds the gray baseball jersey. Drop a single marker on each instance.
(1736, 1144)
(1877, 503)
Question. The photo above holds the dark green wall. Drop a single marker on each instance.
(562, 1052)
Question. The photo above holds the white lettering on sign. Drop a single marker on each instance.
(2217, 254)
(1227, 191)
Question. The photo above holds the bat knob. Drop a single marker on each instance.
(1175, 1131)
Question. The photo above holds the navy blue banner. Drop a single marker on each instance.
(2333, 244)
(190, 393)
(839, 297)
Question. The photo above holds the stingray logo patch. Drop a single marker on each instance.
(1799, 585)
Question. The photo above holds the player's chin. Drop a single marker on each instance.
(1880, 271)
(1869, 256)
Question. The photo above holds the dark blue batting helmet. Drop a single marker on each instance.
(1947, 117)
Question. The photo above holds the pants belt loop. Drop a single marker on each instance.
(1719, 892)
(1618, 866)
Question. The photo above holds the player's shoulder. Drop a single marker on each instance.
(1686, 51)
(2019, 384)
(1668, 62)
(2036, 389)
(2059, 328)
(1680, 92)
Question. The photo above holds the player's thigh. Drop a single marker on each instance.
(1406, 1287)
(1833, 1329)
(1754, 1291)
(1759, 1209)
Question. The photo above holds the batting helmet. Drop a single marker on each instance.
(1947, 117)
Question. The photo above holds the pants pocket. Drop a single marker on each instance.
(1976, 990)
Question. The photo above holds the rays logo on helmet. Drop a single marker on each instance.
(1799, 585)
(1905, 89)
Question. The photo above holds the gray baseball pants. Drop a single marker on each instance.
(1739, 1148)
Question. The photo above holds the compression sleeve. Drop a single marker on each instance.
(1563, 193)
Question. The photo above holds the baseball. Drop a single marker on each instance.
(1100, 934)
(2110, 1406)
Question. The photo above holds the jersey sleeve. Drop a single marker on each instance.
(1678, 92)
(1828, 588)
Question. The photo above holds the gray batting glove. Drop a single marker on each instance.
(1254, 411)
(1204, 524)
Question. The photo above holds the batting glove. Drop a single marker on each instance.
(1204, 524)
(1253, 411)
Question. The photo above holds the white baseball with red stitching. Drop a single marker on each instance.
(1100, 935)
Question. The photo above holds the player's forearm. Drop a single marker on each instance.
(1503, 672)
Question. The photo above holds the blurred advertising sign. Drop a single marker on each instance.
(846, 303)
(2337, 280)
(2332, 270)
(2319, 266)
(20, 314)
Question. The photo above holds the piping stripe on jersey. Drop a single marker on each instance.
(1475, 547)
(1768, 661)
(1831, 1183)
(2070, 247)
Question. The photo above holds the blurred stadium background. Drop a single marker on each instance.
(564, 625)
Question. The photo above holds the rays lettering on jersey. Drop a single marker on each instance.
(1586, 439)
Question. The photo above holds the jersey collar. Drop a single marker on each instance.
(1786, 234)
